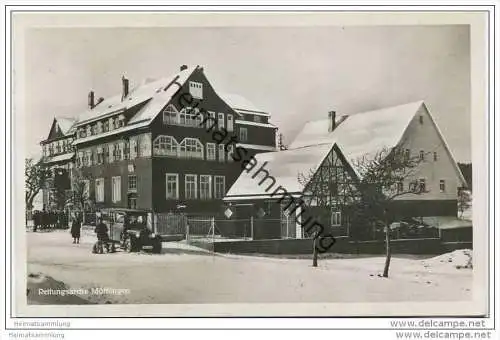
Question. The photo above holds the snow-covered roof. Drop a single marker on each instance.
(284, 166)
(65, 124)
(240, 104)
(356, 136)
(147, 90)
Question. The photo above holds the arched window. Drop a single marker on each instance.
(165, 146)
(191, 148)
(170, 115)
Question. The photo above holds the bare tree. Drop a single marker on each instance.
(80, 191)
(366, 189)
(36, 175)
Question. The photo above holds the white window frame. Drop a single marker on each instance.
(134, 189)
(245, 130)
(167, 175)
(336, 219)
(191, 148)
(193, 180)
(218, 194)
(211, 156)
(442, 185)
(196, 89)
(170, 115)
(99, 189)
(230, 123)
(220, 120)
(221, 157)
(165, 146)
(116, 189)
(206, 195)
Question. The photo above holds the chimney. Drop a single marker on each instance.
(91, 100)
(183, 67)
(124, 87)
(331, 119)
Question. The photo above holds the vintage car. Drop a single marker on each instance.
(129, 230)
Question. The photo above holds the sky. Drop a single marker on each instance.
(296, 74)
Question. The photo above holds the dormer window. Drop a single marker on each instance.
(105, 126)
(99, 127)
(196, 89)
(121, 121)
(111, 123)
(89, 130)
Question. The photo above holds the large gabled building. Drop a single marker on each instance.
(151, 145)
(58, 155)
(329, 149)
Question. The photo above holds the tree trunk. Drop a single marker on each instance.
(387, 251)
(315, 250)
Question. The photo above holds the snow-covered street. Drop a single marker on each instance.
(184, 274)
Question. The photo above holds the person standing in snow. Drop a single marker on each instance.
(75, 229)
(102, 235)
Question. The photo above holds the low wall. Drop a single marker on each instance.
(342, 245)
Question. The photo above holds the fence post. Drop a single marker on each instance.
(212, 226)
(251, 227)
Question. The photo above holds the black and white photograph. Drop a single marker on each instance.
(192, 160)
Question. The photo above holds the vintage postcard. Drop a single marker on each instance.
(250, 164)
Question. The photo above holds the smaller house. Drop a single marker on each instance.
(327, 151)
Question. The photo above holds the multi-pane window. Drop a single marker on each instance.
(191, 148)
(51, 149)
(126, 150)
(79, 159)
(111, 124)
(205, 187)
(230, 151)
(105, 126)
(211, 151)
(116, 186)
(190, 187)
(222, 153)
(99, 189)
(132, 183)
(212, 120)
(190, 117)
(165, 146)
(117, 152)
(170, 115)
(243, 134)
(435, 156)
(89, 130)
(44, 150)
(442, 185)
(422, 155)
(220, 120)
(230, 123)
(172, 186)
(58, 147)
(219, 186)
(336, 218)
(94, 129)
(99, 127)
(196, 89)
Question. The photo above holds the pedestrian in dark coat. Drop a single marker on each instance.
(76, 226)
(36, 220)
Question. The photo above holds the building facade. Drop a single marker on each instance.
(328, 152)
(159, 145)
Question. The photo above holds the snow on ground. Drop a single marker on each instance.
(458, 259)
(186, 274)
